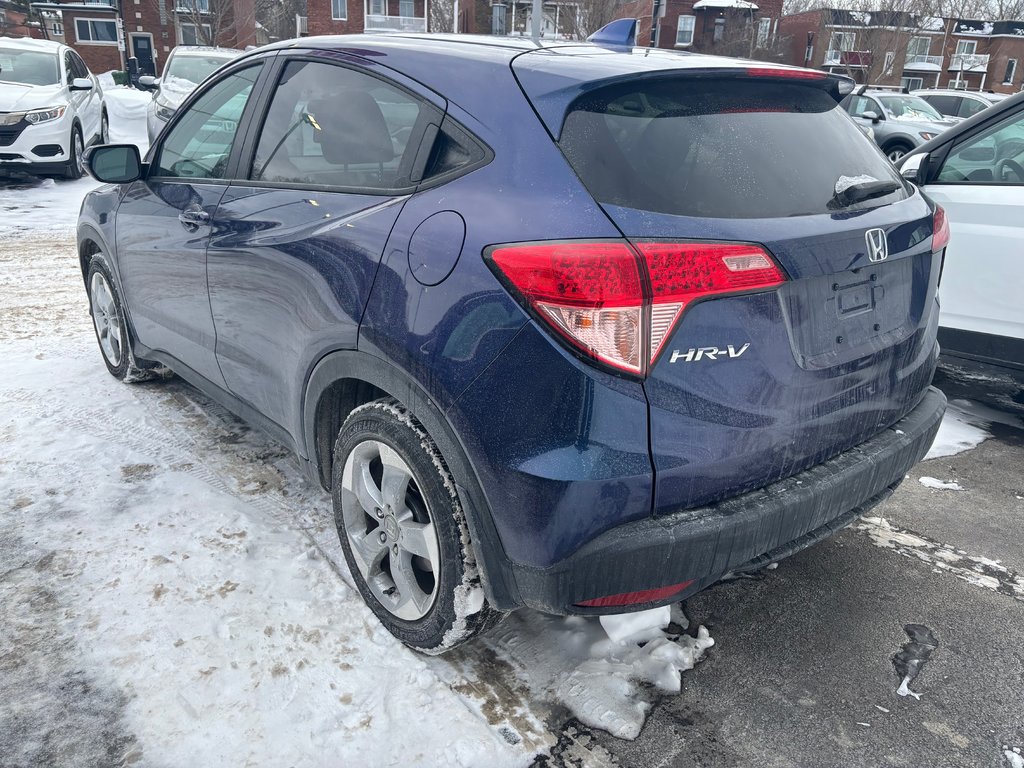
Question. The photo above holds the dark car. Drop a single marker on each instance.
(572, 327)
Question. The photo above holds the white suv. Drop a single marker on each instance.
(955, 103)
(51, 108)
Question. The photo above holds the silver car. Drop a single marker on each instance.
(956, 103)
(186, 68)
(900, 122)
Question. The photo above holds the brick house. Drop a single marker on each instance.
(890, 48)
(149, 29)
(339, 17)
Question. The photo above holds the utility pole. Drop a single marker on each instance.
(538, 9)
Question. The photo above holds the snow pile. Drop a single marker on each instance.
(1013, 757)
(931, 482)
(602, 681)
(29, 205)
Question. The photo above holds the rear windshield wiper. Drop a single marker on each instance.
(859, 190)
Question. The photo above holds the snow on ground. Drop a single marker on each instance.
(29, 205)
(171, 586)
(931, 482)
(965, 426)
(980, 571)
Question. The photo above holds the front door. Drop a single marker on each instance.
(981, 186)
(298, 243)
(142, 50)
(163, 226)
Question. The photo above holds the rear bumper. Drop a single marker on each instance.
(701, 545)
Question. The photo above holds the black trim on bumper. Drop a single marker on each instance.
(741, 533)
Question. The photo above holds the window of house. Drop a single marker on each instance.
(339, 10)
(96, 31)
(912, 83)
(406, 8)
(192, 6)
(199, 144)
(333, 126)
(843, 41)
(918, 48)
(764, 28)
(966, 47)
(684, 30)
(57, 29)
(1011, 71)
(719, 30)
(890, 57)
(378, 8)
(191, 35)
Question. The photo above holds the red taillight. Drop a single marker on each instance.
(795, 74)
(940, 229)
(618, 303)
(635, 598)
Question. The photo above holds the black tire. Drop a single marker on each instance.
(459, 610)
(112, 332)
(104, 134)
(896, 150)
(73, 169)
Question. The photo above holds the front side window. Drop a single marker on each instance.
(330, 125)
(993, 157)
(339, 10)
(29, 67)
(908, 108)
(97, 31)
(199, 144)
(69, 68)
(684, 30)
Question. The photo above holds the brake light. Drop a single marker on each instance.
(635, 598)
(940, 229)
(795, 74)
(619, 304)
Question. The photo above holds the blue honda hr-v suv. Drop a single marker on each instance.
(566, 326)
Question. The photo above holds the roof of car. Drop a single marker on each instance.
(30, 44)
(202, 50)
(956, 92)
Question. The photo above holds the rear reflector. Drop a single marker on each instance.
(635, 598)
(940, 229)
(619, 303)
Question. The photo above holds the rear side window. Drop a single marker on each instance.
(330, 125)
(946, 105)
(722, 149)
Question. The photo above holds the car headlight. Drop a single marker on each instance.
(45, 115)
(164, 111)
(928, 136)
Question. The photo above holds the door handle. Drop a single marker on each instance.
(193, 218)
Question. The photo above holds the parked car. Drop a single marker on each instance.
(185, 69)
(976, 171)
(900, 121)
(51, 108)
(537, 316)
(956, 103)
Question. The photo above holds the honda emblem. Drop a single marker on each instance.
(878, 245)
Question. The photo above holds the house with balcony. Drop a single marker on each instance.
(892, 48)
(339, 17)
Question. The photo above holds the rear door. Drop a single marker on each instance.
(981, 186)
(164, 224)
(756, 381)
(299, 237)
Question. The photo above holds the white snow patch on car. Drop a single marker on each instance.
(931, 482)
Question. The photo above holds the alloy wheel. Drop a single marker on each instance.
(390, 529)
(105, 317)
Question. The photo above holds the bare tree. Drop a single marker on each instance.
(442, 15)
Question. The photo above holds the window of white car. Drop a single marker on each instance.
(908, 108)
(995, 156)
(28, 67)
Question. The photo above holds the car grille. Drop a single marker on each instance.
(10, 133)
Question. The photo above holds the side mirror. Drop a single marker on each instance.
(80, 84)
(114, 163)
(149, 83)
(871, 115)
(913, 168)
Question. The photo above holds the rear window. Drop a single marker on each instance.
(722, 149)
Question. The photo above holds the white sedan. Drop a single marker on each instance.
(51, 108)
(975, 171)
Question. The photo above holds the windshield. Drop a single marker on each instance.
(194, 69)
(908, 108)
(724, 149)
(28, 67)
